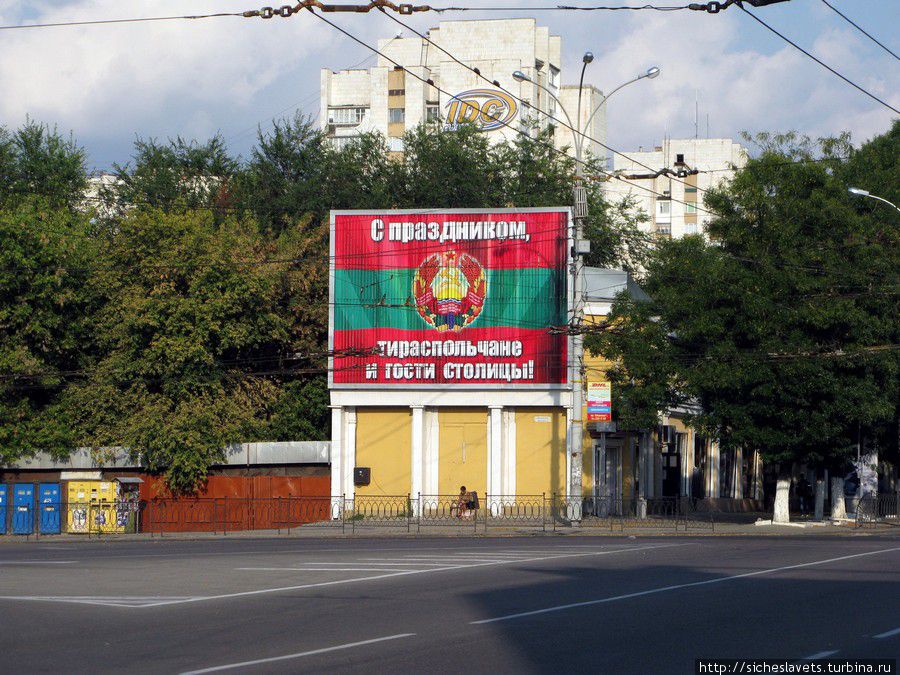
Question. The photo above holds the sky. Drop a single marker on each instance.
(110, 84)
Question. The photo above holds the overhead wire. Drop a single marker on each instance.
(506, 124)
(817, 60)
(99, 22)
(561, 122)
(859, 28)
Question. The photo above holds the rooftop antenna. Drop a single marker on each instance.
(707, 125)
(697, 114)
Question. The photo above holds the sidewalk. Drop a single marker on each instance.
(330, 531)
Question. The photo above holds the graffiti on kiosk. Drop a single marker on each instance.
(487, 109)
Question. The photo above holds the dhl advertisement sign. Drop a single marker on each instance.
(487, 109)
(452, 297)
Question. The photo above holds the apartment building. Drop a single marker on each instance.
(668, 182)
(388, 99)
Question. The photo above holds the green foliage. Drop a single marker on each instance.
(177, 174)
(783, 329)
(37, 161)
(46, 301)
(188, 309)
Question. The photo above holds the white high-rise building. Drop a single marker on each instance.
(694, 166)
(387, 99)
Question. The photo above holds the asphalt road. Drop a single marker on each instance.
(523, 605)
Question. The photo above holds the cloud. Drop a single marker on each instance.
(739, 87)
(108, 83)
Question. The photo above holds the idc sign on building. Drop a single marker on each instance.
(446, 369)
(388, 100)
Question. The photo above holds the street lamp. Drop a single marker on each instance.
(579, 134)
(576, 426)
(865, 193)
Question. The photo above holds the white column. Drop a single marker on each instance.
(758, 467)
(687, 462)
(568, 456)
(508, 480)
(712, 489)
(349, 459)
(495, 450)
(737, 480)
(337, 451)
(431, 453)
(417, 450)
(642, 466)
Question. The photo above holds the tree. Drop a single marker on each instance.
(187, 309)
(781, 329)
(190, 334)
(38, 161)
(178, 174)
(47, 299)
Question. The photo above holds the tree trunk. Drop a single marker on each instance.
(820, 498)
(782, 511)
(838, 507)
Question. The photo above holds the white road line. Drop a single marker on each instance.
(663, 589)
(127, 601)
(38, 562)
(399, 561)
(819, 655)
(887, 634)
(286, 657)
(388, 562)
(317, 569)
(282, 589)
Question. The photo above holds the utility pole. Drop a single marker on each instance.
(575, 431)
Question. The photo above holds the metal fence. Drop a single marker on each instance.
(881, 509)
(410, 513)
(628, 513)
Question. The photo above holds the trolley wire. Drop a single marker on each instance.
(859, 28)
(817, 60)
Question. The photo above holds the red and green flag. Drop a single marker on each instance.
(449, 297)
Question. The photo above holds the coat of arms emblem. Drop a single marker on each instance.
(449, 290)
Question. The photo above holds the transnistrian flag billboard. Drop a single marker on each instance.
(449, 297)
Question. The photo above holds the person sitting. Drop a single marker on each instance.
(460, 503)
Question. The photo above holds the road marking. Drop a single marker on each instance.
(38, 562)
(286, 657)
(663, 589)
(336, 582)
(105, 601)
(388, 562)
(317, 569)
(819, 655)
(399, 561)
(890, 633)
(141, 603)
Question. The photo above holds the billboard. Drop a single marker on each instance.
(599, 402)
(449, 297)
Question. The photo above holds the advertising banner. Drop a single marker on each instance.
(449, 297)
(599, 402)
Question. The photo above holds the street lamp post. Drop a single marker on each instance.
(575, 430)
(865, 193)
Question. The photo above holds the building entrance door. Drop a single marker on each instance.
(607, 476)
(671, 466)
(463, 456)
